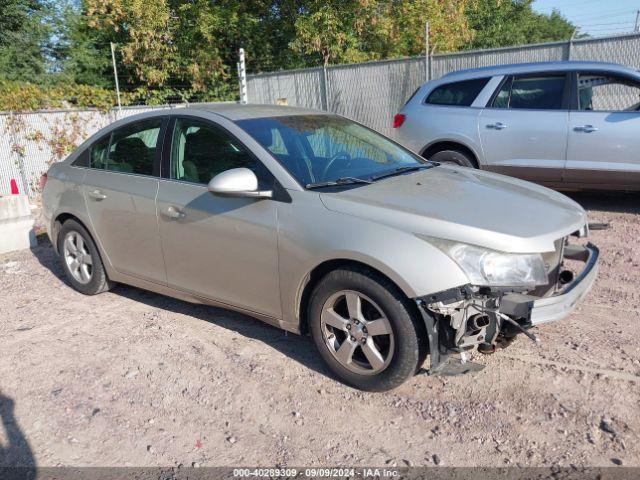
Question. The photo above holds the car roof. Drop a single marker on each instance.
(237, 111)
(533, 67)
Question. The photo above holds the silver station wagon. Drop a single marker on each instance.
(314, 223)
(566, 125)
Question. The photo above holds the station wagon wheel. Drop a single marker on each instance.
(357, 333)
(77, 257)
(81, 260)
(454, 157)
(368, 333)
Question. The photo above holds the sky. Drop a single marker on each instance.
(595, 17)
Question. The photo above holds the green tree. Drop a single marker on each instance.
(501, 23)
(81, 54)
(351, 31)
(23, 36)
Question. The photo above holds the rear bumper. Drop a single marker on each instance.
(536, 311)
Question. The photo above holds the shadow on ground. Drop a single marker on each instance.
(297, 347)
(608, 202)
(16, 456)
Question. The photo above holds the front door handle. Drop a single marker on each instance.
(97, 195)
(173, 212)
(497, 126)
(586, 128)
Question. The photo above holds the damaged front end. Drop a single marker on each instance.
(480, 317)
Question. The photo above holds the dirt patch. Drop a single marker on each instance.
(134, 378)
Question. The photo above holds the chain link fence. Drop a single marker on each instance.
(31, 141)
(372, 92)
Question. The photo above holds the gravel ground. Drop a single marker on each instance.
(131, 378)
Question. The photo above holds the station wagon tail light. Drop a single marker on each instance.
(398, 120)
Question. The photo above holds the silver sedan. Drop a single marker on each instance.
(314, 223)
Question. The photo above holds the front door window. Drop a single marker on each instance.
(200, 151)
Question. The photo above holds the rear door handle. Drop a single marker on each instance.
(497, 126)
(97, 195)
(586, 128)
(173, 212)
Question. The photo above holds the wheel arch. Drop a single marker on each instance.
(441, 145)
(316, 274)
(59, 219)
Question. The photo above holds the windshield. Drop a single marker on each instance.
(326, 148)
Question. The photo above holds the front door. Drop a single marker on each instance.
(604, 133)
(120, 189)
(220, 248)
(524, 130)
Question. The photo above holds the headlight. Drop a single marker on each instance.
(486, 267)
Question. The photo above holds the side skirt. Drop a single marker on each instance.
(197, 299)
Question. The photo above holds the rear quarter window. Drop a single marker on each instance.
(460, 94)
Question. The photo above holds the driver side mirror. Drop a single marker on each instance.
(237, 182)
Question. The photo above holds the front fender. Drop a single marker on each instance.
(414, 265)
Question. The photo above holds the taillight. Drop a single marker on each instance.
(398, 120)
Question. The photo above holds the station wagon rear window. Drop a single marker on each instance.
(460, 94)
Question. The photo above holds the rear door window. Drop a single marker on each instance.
(460, 94)
(129, 149)
(99, 151)
(539, 92)
(607, 93)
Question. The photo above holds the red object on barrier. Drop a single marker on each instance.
(14, 187)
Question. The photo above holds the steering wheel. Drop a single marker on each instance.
(340, 155)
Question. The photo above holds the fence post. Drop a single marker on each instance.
(115, 74)
(427, 54)
(242, 77)
(324, 91)
(431, 54)
(573, 34)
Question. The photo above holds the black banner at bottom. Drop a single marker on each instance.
(411, 473)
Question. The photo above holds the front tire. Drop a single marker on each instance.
(365, 330)
(81, 260)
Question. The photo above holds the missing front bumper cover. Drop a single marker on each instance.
(535, 311)
(445, 314)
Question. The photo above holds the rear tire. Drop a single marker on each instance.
(81, 260)
(366, 330)
(454, 157)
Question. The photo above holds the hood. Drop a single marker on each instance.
(465, 205)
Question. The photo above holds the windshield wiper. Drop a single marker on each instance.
(399, 170)
(338, 181)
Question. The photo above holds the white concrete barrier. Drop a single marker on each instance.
(16, 224)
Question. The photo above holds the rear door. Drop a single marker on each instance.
(120, 188)
(523, 129)
(604, 134)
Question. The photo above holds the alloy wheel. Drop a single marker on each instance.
(357, 332)
(77, 257)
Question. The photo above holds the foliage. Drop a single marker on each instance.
(23, 39)
(500, 23)
(81, 54)
(172, 50)
(343, 32)
(15, 16)
(20, 96)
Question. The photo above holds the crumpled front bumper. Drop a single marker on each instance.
(536, 310)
